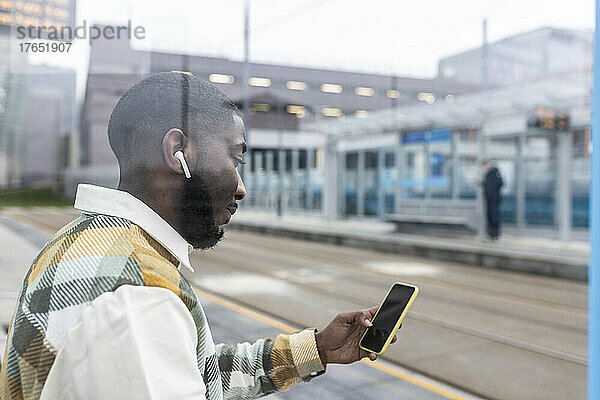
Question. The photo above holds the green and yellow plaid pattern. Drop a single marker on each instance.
(96, 254)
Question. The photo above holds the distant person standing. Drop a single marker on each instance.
(492, 182)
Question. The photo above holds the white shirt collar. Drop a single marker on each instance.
(117, 203)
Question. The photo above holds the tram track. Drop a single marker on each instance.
(364, 302)
(366, 278)
(345, 259)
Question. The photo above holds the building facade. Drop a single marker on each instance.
(521, 58)
(347, 145)
(282, 99)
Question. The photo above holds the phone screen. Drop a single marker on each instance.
(385, 321)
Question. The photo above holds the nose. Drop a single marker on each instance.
(240, 192)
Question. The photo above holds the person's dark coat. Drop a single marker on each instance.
(491, 190)
(492, 183)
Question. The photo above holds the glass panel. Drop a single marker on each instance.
(351, 184)
(414, 170)
(468, 170)
(440, 168)
(370, 183)
(539, 162)
(502, 152)
(387, 180)
(580, 178)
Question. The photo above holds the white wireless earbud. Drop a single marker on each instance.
(179, 155)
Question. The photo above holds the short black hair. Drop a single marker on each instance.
(163, 101)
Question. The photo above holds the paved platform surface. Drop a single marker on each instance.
(19, 243)
(534, 253)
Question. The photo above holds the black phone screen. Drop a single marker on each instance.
(384, 322)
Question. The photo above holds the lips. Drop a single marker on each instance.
(232, 208)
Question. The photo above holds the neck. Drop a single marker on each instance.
(160, 192)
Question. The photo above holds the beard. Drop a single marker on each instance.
(197, 219)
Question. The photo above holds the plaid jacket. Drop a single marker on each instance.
(96, 254)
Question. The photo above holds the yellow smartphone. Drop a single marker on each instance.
(388, 318)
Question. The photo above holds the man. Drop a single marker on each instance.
(492, 182)
(104, 312)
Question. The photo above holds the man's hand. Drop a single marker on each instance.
(339, 342)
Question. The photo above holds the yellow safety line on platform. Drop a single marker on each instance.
(33, 223)
(409, 378)
(246, 311)
(289, 329)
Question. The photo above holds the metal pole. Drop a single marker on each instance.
(426, 161)
(520, 188)
(563, 192)
(479, 203)
(398, 165)
(269, 178)
(258, 178)
(310, 160)
(484, 58)
(246, 71)
(455, 194)
(360, 192)
(330, 183)
(281, 202)
(480, 207)
(294, 179)
(341, 187)
(380, 189)
(280, 160)
(594, 269)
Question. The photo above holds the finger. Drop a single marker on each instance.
(371, 311)
(370, 356)
(363, 354)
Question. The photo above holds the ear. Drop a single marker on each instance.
(173, 141)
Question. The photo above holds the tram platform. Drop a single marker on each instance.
(531, 253)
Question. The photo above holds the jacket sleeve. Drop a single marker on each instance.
(500, 181)
(249, 371)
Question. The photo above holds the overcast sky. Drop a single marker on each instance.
(406, 37)
(386, 36)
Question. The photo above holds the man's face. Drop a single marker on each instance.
(210, 196)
